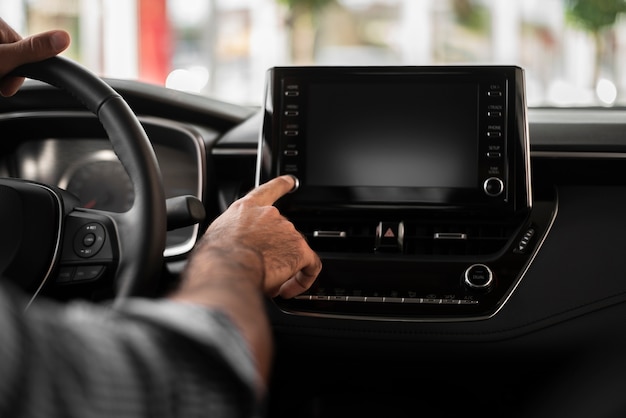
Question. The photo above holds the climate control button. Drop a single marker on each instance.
(478, 277)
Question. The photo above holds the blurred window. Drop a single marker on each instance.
(573, 51)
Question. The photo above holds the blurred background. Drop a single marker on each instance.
(573, 51)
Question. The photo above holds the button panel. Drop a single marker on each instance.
(75, 274)
(493, 137)
(89, 240)
(291, 127)
(390, 300)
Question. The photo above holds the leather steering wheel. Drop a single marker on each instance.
(54, 236)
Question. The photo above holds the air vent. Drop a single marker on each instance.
(415, 237)
(456, 238)
(340, 237)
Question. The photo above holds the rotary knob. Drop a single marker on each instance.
(493, 186)
(478, 277)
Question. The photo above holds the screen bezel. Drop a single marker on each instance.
(512, 171)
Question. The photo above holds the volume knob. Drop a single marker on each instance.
(493, 186)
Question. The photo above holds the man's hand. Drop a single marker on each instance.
(253, 223)
(15, 51)
(248, 251)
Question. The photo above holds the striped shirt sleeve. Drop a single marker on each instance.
(149, 358)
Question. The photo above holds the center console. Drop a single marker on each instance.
(414, 186)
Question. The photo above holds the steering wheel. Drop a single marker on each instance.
(47, 237)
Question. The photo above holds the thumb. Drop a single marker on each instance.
(31, 49)
(35, 48)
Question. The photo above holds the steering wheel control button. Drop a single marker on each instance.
(66, 274)
(79, 274)
(89, 240)
(478, 277)
(86, 273)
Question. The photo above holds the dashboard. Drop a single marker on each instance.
(82, 162)
(554, 342)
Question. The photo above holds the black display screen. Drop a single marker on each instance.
(452, 138)
(392, 134)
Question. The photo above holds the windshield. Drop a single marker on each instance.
(573, 51)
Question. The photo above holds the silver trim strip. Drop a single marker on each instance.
(198, 144)
(582, 154)
(234, 151)
(57, 246)
(450, 235)
(329, 234)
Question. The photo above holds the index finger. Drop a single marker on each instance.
(268, 193)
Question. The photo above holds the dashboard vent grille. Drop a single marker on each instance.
(459, 239)
(419, 238)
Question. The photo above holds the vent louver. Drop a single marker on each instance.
(419, 238)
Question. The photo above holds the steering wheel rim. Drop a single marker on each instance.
(141, 231)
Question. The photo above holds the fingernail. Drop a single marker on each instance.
(296, 183)
(59, 41)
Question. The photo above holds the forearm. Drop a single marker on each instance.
(148, 358)
(231, 281)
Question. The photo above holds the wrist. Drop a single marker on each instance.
(213, 265)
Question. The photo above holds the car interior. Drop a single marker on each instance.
(472, 245)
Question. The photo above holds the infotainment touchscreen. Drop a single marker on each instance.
(427, 137)
(391, 135)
